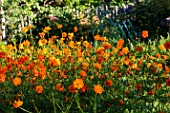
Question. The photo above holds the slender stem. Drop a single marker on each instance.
(95, 104)
(25, 110)
(53, 101)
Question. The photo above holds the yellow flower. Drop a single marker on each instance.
(78, 83)
(47, 28)
(25, 29)
(161, 47)
(30, 26)
(17, 103)
(60, 26)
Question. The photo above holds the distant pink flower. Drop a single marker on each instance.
(53, 18)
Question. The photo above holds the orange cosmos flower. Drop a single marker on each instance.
(64, 34)
(75, 29)
(71, 44)
(47, 28)
(109, 83)
(121, 102)
(168, 82)
(2, 78)
(158, 55)
(152, 92)
(25, 29)
(125, 50)
(167, 69)
(158, 86)
(97, 37)
(83, 89)
(42, 34)
(83, 73)
(120, 43)
(59, 88)
(70, 36)
(78, 83)
(97, 66)
(107, 45)
(26, 43)
(2, 55)
(167, 45)
(161, 47)
(100, 50)
(60, 26)
(139, 48)
(159, 66)
(144, 34)
(39, 89)
(30, 26)
(17, 103)
(138, 86)
(42, 42)
(72, 89)
(17, 81)
(164, 57)
(98, 89)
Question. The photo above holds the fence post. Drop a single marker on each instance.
(2, 29)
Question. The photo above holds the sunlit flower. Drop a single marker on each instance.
(30, 26)
(71, 44)
(39, 89)
(42, 34)
(26, 43)
(161, 47)
(47, 28)
(17, 103)
(70, 36)
(125, 50)
(25, 29)
(17, 81)
(42, 42)
(97, 66)
(98, 89)
(144, 34)
(78, 83)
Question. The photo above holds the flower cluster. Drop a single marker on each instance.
(76, 74)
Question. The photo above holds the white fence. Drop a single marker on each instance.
(108, 11)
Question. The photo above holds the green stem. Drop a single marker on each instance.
(78, 103)
(25, 110)
(53, 101)
(95, 104)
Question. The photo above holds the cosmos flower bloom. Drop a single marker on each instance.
(39, 89)
(144, 33)
(98, 89)
(17, 103)
(17, 81)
